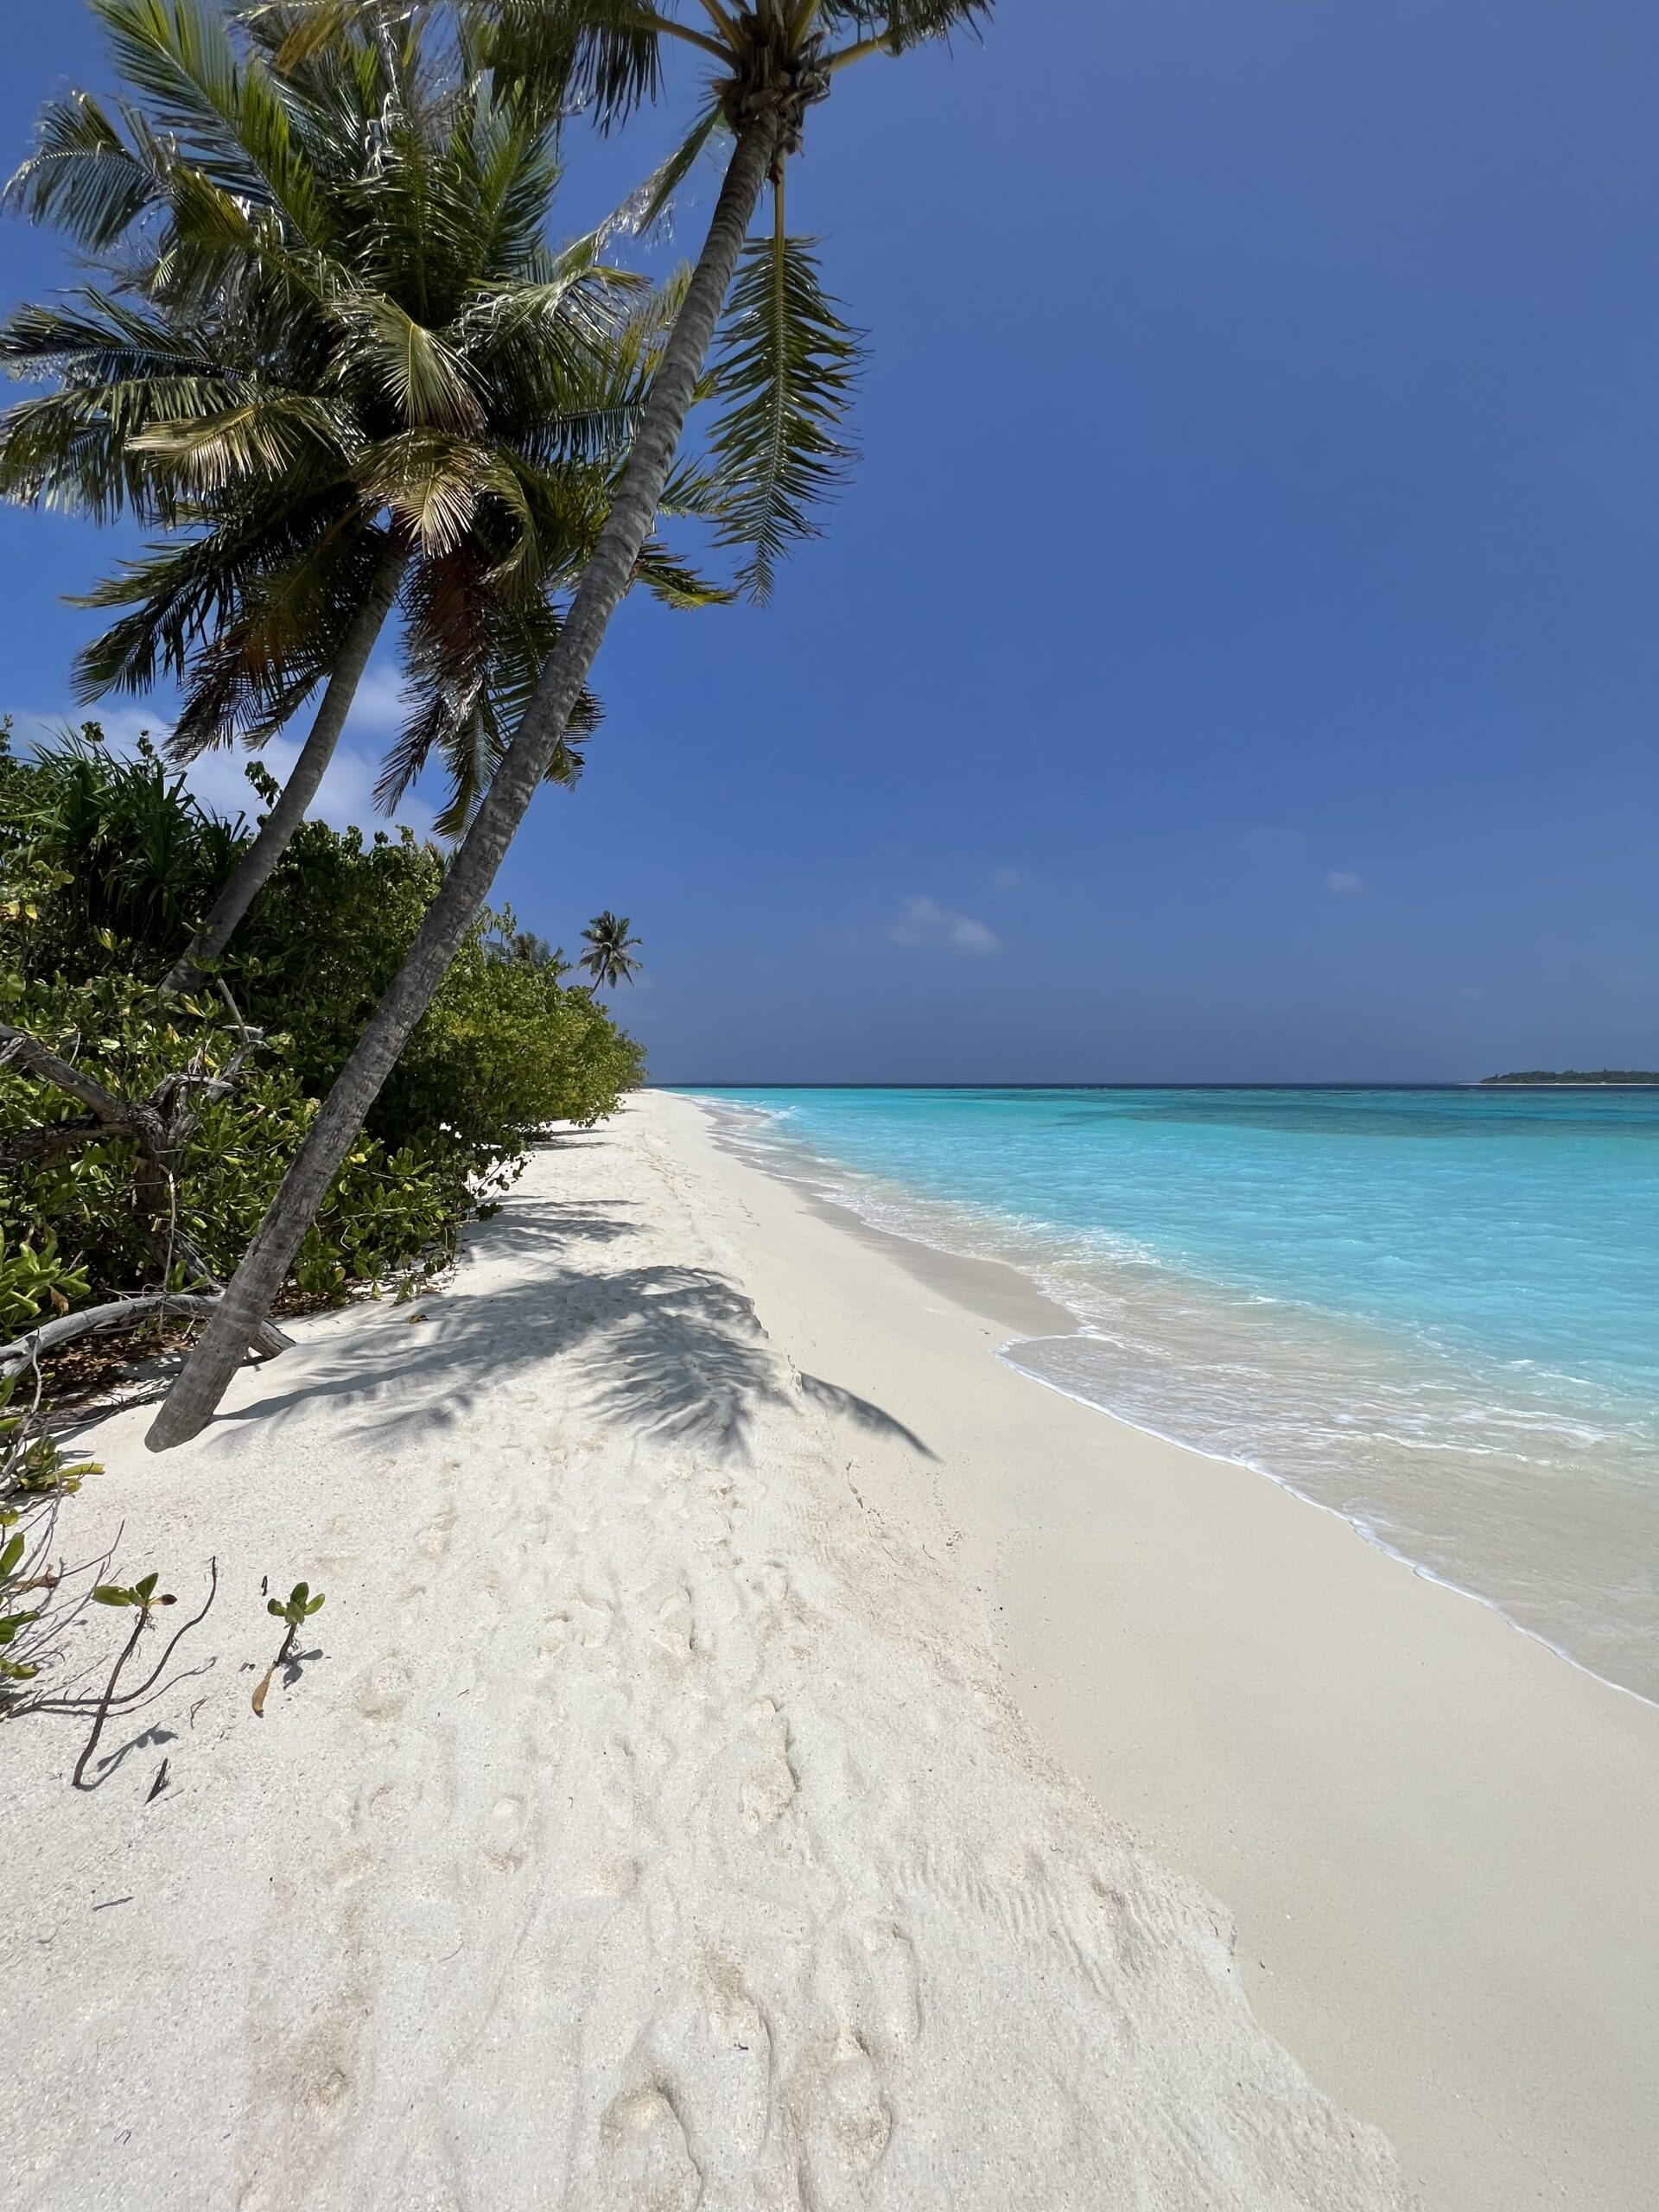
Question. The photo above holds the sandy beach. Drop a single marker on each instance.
(760, 1751)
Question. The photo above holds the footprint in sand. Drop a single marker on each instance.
(505, 1846)
(383, 1690)
(591, 1620)
(648, 2161)
(434, 1539)
(769, 1786)
(735, 2062)
(396, 1799)
(890, 1962)
(845, 2112)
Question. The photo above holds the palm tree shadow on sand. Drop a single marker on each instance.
(672, 1352)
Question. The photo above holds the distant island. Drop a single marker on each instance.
(1575, 1075)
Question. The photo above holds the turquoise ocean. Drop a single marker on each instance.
(1436, 1312)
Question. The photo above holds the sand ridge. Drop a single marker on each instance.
(649, 1829)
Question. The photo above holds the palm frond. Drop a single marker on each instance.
(472, 660)
(596, 436)
(643, 209)
(675, 583)
(289, 625)
(227, 111)
(296, 32)
(787, 369)
(76, 449)
(262, 434)
(97, 337)
(574, 312)
(901, 24)
(596, 55)
(429, 480)
(83, 175)
(179, 593)
(414, 367)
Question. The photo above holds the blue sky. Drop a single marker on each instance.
(1235, 656)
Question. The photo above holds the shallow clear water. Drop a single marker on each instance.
(1435, 1311)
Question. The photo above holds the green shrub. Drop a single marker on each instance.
(95, 847)
(105, 866)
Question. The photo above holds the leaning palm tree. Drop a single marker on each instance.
(334, 357)
(609, 957)
(787, 372)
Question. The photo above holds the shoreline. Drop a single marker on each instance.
(1382, 1938)
(1362, 1529)
(843, 1210)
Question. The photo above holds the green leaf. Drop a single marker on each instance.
(11, 1557)
(111, 1593)
(787, 370)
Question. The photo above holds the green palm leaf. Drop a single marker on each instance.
(901, 24)
(82, 176)
(270, 434)
(599, 55)
(787, 370)
(227, 112)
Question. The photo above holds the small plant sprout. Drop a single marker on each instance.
(295, 1609)
(140, 1597)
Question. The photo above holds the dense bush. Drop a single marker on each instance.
(106, 865)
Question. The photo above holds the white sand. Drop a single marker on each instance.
(648, 1826)
(1439, 1841)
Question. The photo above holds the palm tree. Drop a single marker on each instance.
(787, 372)
(341, 366)
(609, 957)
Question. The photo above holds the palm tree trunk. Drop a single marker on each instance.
(194, 1397)
(250, 875)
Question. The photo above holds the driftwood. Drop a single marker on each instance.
(160, 1127)
(121, 1314)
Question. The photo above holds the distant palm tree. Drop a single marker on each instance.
(609, 957)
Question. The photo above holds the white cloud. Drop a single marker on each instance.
(922, 921)
(344, 798)
(1006, 878)
(1343, 879)
(379, 707)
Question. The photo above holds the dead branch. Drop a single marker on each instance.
(39, 1146)
(118, 1314)
(41, 1062)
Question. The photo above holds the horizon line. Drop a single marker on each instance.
(1393, 1082)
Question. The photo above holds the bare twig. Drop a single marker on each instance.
(132, 1697)
(111, 1702)
(40, 1061)
(28, 1147)
(108, 1698)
